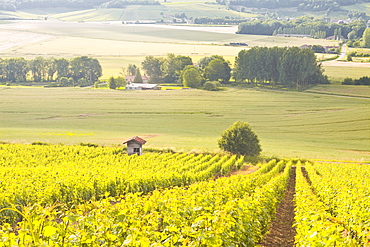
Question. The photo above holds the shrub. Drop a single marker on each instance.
(212, 86)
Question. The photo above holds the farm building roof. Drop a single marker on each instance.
(137, 139)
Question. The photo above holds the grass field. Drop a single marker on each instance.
(289, 124)
(337, 71)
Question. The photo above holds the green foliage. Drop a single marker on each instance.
(212, 85)
(85, 67)
(218, 70)
(366, 38)
(191, 77)
(138, 78)
(332, 202)
(240, 139)
(120, 81)
(112, 83)
(131, 69)
(153, 66)
(365, 80)
(315, 28)
(287, 67)
(229, 211)
(203, 62)
(318, 49)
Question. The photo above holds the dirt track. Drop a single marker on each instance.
(281, 231)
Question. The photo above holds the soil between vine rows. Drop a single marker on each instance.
(282, 232)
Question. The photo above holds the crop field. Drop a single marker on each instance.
(289, 124)
(332, 205)
(193, 9)
(75, 195)
(212, 212)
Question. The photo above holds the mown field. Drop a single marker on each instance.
(289, 124)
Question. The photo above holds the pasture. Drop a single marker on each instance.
(289, 124)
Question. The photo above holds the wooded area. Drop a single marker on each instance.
(307, 5)
(78, 71)
(279, 67)
(314, 27)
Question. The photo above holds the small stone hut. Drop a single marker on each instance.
(135, 145)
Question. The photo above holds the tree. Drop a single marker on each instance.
(38, 68)
(62, 67)
(366, 38)
(352, 35)
(138, 78)
(112, 83)
(120, 81)
(318, 49)
(131, 69)
(191, 77)
(218, 69)
(240, 139)
(173, 65)
(203, 62)
(153, 68)
(85, 67)
(15, 69)
(50, 68)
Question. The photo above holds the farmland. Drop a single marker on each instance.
(117, 45)
(84, 200)
(318, 125)
(79, 187)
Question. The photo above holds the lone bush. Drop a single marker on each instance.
(212, 86)
(240, 139)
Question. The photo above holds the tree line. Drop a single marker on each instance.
(278, 67)
(306, 5)
(78, 71)
(365, 80)
(218, 21)
(181, 69)
(316, 28)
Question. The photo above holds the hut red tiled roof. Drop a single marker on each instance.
(137, 139)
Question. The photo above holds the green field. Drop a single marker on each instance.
(289, 124)
(338, 72)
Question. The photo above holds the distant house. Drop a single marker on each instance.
(135, 145)
(141, 86)
(305, 46)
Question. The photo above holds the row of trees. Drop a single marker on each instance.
(365, 80)
(279, 67)
(308, 5)
(77, 71)
(304, 25)
(176, 69)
